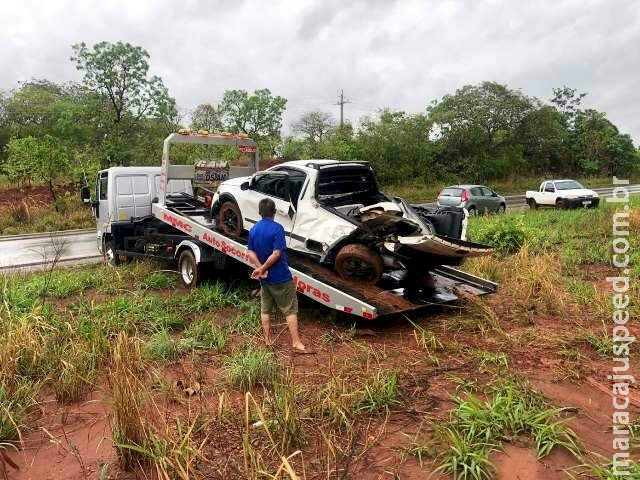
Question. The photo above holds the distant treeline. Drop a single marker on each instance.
(119, 115)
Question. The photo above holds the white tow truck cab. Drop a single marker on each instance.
(124, 194)
(167, 213)
(562, 194)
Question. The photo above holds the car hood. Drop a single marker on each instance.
(578, 192)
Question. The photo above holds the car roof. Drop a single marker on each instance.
(465, 186)
(315, 164)
(562, 180)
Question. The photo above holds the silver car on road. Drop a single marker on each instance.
(476, 199)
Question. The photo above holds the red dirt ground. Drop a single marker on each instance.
(82, 434)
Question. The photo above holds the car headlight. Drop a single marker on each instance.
(594, 195)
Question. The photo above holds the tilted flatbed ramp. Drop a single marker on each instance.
(322, 284)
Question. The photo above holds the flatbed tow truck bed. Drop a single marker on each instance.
(187, 214)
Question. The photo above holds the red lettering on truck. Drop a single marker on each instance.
(305, 288)
(176, 222)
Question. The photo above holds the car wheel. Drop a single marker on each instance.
(358, 262)
(533, 205)
(188, 269)
(502, 208)
(472, 211)
(561, 204)
(230, 219)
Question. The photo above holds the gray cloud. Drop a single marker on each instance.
(399, 54)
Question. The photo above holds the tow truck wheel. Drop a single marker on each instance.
(109, 253)
(230, 219)
(188, 269)
(360, 263)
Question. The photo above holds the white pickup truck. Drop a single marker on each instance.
(562, 194)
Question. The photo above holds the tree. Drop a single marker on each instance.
(314, 125)
(477, 128)
(119, 73)
(21, 162)
(51, 162)
(568, 102)
(33, 158)
(258, 115)
(205, 116)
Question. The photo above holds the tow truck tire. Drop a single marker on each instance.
(188, 269)
(360, 263)
(109, 253)
(230, 219)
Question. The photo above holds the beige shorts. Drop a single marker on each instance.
(280, 297)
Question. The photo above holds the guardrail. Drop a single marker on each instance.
(58, 233)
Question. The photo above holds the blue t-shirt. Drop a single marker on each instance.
(265, 237)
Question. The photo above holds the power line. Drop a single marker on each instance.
(341, 103)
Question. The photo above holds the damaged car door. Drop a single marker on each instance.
(273, 185)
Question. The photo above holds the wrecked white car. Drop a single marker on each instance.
(334, 212)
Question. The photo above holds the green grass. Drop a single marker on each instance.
(379, 393)
(161, 346)
(419, 191)
(204, 333)
(251, 366)
(477, 427)
(579, 236)
(46, 219)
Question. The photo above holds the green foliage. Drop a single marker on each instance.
(203, 333)
(158, 281)
(379, 393)
(259, 115)
(119, 74)
(251, 366)
(506, 233)
(160, 346)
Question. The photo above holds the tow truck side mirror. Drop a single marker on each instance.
(85, 195)
(245, 186)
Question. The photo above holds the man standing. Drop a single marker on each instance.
(268, 252)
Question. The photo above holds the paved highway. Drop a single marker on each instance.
(34, 251)
(20, 252)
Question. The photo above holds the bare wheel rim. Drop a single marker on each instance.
(230, 220)
(187, 271)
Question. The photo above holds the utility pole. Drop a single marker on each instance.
(341, 103)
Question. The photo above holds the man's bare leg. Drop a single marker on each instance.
(292, 322)
(266, 327)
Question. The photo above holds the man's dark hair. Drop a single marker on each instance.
(266, 208)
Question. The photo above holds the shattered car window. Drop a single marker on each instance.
(357, 184)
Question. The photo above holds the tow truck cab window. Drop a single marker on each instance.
(103, 185)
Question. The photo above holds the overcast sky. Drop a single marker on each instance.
(400, 54)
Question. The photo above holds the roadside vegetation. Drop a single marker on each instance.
(187, 389)
(54, 134)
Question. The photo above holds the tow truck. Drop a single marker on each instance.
(165, 213)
